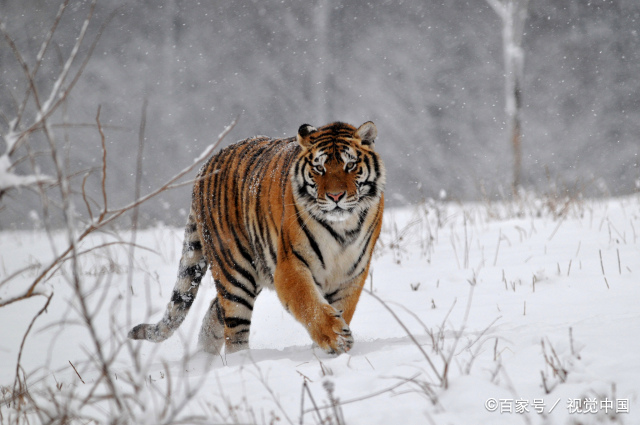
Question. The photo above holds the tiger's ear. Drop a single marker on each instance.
(367, 133)
(304, 132)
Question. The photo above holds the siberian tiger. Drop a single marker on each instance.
(298, 215)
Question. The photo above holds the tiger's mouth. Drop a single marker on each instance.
(337, 212)
(338, 215)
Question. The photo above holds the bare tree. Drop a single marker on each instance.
(513, 14)
(26, 122)
(36, 116)
(321, 74)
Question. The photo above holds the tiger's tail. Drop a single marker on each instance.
(193, 266)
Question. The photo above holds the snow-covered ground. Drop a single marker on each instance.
(477, 314)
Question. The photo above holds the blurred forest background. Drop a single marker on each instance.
(429, 73)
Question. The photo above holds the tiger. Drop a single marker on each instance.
(298, 215)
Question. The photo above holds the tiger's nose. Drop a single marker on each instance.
(336, 196)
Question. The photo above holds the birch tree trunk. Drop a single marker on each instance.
(322, 72)
(513, 14)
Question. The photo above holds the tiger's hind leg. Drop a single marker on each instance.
(211, 338)
(193, 266)
(228, 320)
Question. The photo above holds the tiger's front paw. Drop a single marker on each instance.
(331, 332)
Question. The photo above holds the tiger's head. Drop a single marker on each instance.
(338, 174)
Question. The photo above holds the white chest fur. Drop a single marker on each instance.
(343, 257)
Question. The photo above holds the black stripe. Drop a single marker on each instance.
(245, 274)
(262, 236)
(182, 301)
(272, 252)
(191, 246)
(235, 282)
(376, 164)
(259, 221)
(373, 189)
(367, 163)
(286, 247)
(333, 301)
(325, 143)
(329, 229)
(193, 271)
(363, 252)
(368, 241)
(245, 254)
(250, 160)
(350, 235)
(286, 179)
(312, 241)
(219, 310)
(224, 201)
(198, 196)
(262, 161)
(332, 143)
(361, 220)
(296, 167)
(329, 296)
(237, 200)
(212, 183)
(233, 262)
(300, 257)
(234, 298)
(234, 322)
(259, 252)
(226, 261)
(303, 193)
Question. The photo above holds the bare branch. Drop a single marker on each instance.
(40, 56)
(24, 338)
(18, 273)
(417, 344)
(170, 183)
(14, 142)
(364, 397)
(87, 57)
(70, 60)
(104, 167)
(115, 214)
(84, 196)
